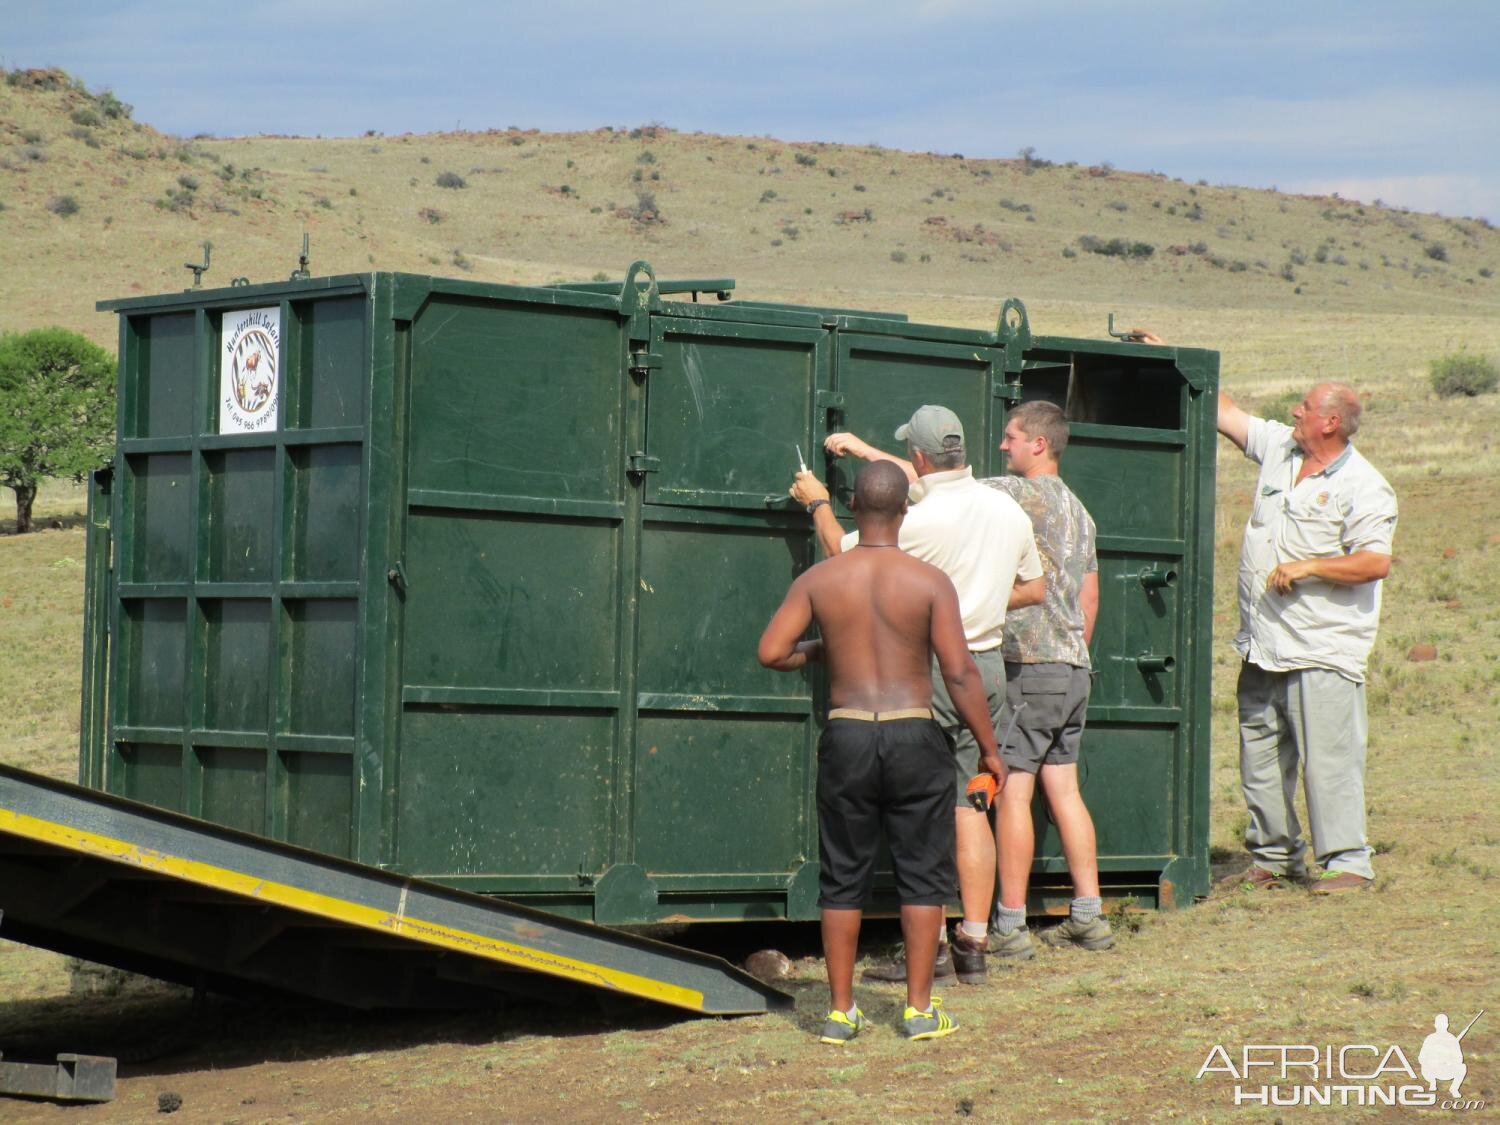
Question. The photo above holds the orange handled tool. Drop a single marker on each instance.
(981, 791)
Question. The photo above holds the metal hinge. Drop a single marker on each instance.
(638, 464)
(642, 363)
(1000, 388)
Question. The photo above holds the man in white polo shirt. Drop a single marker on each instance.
(1316, 549)
(983, 541)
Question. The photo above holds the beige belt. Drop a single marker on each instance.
(880, 716)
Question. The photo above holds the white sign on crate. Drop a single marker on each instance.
(250, 371)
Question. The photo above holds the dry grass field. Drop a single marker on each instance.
(1118, 1035)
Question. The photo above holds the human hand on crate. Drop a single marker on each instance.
(848, 445)
(807, 489)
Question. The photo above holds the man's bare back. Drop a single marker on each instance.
(883, 615)
(874, 607)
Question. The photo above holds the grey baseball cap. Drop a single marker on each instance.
(933, 429)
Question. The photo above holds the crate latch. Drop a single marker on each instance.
(643, 363)
(639, 464)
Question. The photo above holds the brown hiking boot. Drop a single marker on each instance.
(1331, 881)
(968, 958)
(894, 971)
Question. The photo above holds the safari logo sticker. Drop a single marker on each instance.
(250, 371)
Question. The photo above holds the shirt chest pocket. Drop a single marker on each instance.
(1311, 532)
(1267, 505)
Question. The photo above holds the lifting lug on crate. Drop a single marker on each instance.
(199, 271)
(302, 273)
(1013, 333)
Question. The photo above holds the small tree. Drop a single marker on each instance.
(1461, 373)
(57, 411)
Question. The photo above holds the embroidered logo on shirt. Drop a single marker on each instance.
(1322, 499)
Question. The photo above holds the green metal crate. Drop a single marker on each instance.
(471, 588)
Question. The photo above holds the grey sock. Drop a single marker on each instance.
(1086, 909)
(1008, 921)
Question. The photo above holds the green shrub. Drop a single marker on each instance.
(111, 106)
(1461, 373)
(451, 180)
(63, 205)
(85, 116)
(1436, 251)
(1115, 247)
(807, 160)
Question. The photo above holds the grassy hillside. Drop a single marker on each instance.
(99, 206)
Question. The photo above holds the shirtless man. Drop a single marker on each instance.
(883, 762)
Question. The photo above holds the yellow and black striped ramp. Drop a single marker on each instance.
(121, 883)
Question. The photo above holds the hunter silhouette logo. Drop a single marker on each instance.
(249, 375)
(1362, 1074)
(1442, 1055)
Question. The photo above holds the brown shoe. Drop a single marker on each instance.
(968, 958)
(1256, 878)
(894, 971)
(1331, 881)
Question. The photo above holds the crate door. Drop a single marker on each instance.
(880, 381)
(722, 746)
(726, 409)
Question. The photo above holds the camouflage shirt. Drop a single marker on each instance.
(1052, 633)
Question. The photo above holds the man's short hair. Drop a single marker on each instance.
(1343, 400)
(880, 489)
(1039, 419)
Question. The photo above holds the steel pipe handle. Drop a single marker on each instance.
(1153, 579)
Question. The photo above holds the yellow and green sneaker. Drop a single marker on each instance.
(931, 1024)
(838, 1028)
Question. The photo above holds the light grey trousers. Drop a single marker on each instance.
(1315, 718)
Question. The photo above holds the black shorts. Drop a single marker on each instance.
(894, 776)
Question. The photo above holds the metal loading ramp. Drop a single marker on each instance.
(126, 884)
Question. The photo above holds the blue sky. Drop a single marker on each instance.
(1396, 101)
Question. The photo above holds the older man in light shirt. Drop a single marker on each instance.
(1316, 549)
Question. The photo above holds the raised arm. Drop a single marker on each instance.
(807, 489)
(781, 645)
(961, 674)
(848, 445)
(1234, 423)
